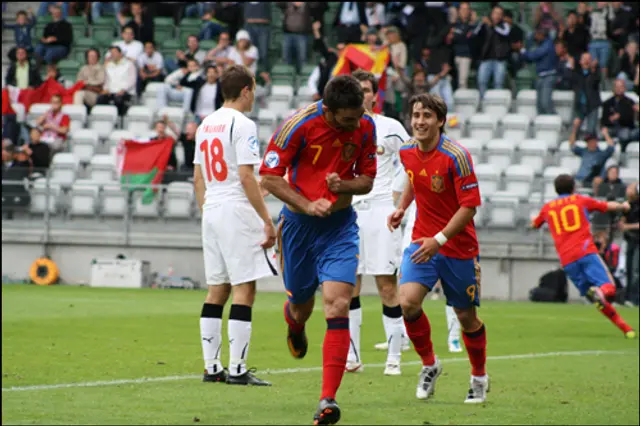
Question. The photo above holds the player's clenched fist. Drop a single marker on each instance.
(428, 248)
(333, 180)
(395, 219)
(270, 236)
(320, 207)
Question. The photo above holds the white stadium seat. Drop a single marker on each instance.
(179, 200)
(515, 128)
(504, 210)
(518, 180)
(138, 113)
(533, 153)
(150, 210)
(474, 146)
(84, 198)
(119, 135)
(102, 168)
(526, 103)
(76, 113)
(108, 113)
(102, 128)
(175, 114)
(497, 102)
(500, 153)
(64, 166)
(633, 150)
(482, 127)
(548, 177)
(267, 119)
(488, 179)
(548, 128)
(114, 200)
(43, 194)
(563, 103)
(628, 174)
(571, 163)
(466, 101)
(20, 112)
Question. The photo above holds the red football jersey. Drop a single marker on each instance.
(443, 181)
(308, 148)
(568, 219)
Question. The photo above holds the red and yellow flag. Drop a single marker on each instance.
(356, 56)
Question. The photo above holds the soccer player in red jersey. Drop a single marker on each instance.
(444, 245)
(328, 151)
(568, 221)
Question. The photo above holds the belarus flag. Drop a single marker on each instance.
(356, 56)
(142, 163)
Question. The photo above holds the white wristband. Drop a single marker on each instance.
(441, 239)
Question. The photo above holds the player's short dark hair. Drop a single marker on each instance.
(86, 53)
(565, 184)
(343, 92)
(432, 102)
(362, 75)
(21, 12)
(115, 47)
(234, 79)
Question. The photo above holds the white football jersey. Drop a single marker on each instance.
(225, 140)
(390, 135)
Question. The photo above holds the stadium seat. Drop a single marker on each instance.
(117, 135)
(113, 200)
(175, 114)
(480, 218)
(563, 102)
(504, 210)
(548, 176)
(628, 174)
(533, 153)
(101, 128)
(518, 180)
(281, 93)
(497, 102)
(500, 153)
(207, 45)
(488, 178)
(571, 163)
(102, 168)
(526, 103)
(83, 144)
(267, 118)
(84, 198)
(179, 201)
(44, 196)
(466, 101)
(455, 126)
(35, 111)
(140, 114)
(20, 111)
(280, 108)
(482, 127)
(64, 166)
(548, 128)
(633, 150)
(515, 128)
(104, 113)
(304, 97)
(151, 210)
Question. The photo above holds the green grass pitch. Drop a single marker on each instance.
(549, 364)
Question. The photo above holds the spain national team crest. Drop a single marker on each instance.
(348, 150)
(437, 183)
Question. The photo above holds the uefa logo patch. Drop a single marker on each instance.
(254, 145)
(272, 159)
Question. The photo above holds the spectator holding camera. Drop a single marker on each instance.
(495, 50)
(619, 115)
(593, 158)
(55, 125)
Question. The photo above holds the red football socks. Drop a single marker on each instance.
(334, 355)
(609, 291)
(293, 325)
(476, 344)
(419, 331)
(610, 312)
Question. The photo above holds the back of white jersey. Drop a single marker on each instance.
(225, 140)
(390, 135)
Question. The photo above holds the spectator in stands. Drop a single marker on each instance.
(21, 31)
(546, 60)
(329, 58)
(244, 52)
(630, 226)
(140, 21)
(397, 49)
(516, 39)
(620, 25)
(583, 11)
(45, 8)
(547, 18)
(599, 27)
(593, 158)
(564, 70)
(93, 75)
(120, 81)
(150, 66)
(418, 84)
(23, 74)
(612, 187)
(52, 72)
(18, 164)
(619, 115)
(257, 21)
(219, 55)
(55, 125)
(98, 8)
(57, 38)
(575, 35)
(173, 90)
(496, 49)
(208, 96)
(376, 18)
(463, 31)
(230, 15)
(131, 48)
(439, 65)
(296, 24)
(40, 153)
(188, 142)
(586, 86)
(194, 80)
(160, 130)
(609, 252)
(192, 51)
(628, 64)
(197, 10)
(350, 22)
(211, 27)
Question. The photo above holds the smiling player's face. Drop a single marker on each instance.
(347, 119)
(424, 123)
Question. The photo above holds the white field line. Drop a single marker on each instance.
(298, 370)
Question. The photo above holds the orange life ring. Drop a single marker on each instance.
(44, 272)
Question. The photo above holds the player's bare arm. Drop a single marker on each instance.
(279, 187)
(254, 195)
(395, 219)
(614, 206)
(430, 246)
(360, 185)
(199, 186)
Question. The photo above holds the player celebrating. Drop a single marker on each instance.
(444, 246)
(570, 229)
(237, 231)
(453, 324)
(380, 250)
(328, 150)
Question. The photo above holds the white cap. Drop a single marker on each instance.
(242, 35)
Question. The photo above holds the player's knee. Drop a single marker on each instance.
(388, 290)
(244, 294)
(468, 318)
(337, 307)
(218, 294)
(410, 308)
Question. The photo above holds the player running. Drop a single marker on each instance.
(237, 231)
(453, 324)
(570, 228)
(328, 150)
(380, 250)
(444, 246)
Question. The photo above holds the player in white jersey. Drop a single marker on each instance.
(453, 323)
(237, 231)
(380, 250)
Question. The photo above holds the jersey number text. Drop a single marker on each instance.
(214, 160)
(563, 224)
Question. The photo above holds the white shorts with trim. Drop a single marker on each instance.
(380, 249)
(408, 228)
(231, 237)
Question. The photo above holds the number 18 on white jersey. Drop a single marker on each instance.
(225, 140)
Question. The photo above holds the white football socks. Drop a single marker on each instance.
(453, 324)
(211, 336)
(355, 323)
(239, 329)
(393, 329)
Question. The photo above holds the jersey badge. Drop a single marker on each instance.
(272, 159)
(254, 145)
(437, 183)
(348, 150)
(423, 172)
(380, 150)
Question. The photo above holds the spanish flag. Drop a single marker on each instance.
(356, 56)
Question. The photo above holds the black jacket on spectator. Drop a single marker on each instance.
(441, 53)
(624, 106)
(62, 30)
(189, 146)
(577, 41)
(462, 43)
(326, 64)
(40, 156)
(621, 21)
(143, 33)
(564, 80)
(612, 190)
(496, 42)
(34, 76)
(195, 85)
(230, 14)
(361, 13)
(590, 85)
(628, 67)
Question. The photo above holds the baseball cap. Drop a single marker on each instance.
(243, 35)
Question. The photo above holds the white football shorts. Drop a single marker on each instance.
(380, 249)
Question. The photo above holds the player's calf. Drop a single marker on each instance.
(474, 336)
(598, 296)
(211, 332)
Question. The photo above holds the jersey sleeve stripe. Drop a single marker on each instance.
(460, 158)
(282, 138)
(408, 144)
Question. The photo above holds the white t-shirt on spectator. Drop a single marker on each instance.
(252, 52)
(120, 76)
(131, 50)
(155, 59)
(206, 103)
